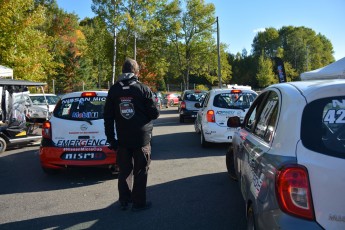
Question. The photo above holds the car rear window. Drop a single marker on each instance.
(323, 126)
(80, 108)
(194, 96)
(234, 100)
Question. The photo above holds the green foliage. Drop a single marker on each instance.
(174, 42)
(265, 75)
(23, 46)
(201, 87)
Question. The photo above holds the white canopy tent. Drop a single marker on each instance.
(6, 72)
(335, 70)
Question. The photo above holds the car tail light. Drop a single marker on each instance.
(89, 94)
(236, 91)
(46, 130)
(210, 116)
(183, 105)
(294, 193)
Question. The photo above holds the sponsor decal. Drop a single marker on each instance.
(225, 112)
(82, 149)
(338, 218)
(85, 114)
(83, 156)
(81, 100)
(127, 110)
(93, 132)
(80, 143)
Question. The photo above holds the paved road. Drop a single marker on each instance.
(188, 186)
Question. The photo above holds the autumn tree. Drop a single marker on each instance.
(23, 46)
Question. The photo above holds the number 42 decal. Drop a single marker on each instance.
(335, 116)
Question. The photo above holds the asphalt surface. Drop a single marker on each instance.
(188, 186)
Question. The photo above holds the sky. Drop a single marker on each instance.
(240, 20)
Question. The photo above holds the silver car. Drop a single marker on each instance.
(288, 156)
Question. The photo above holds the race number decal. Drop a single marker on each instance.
(127, 110)
(335, 116)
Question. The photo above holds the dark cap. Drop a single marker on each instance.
(130, 66)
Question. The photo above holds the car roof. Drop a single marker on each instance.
(78, 94)
(228, 90)
(314, 89)
(41, 94)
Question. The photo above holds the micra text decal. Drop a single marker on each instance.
(78, 143)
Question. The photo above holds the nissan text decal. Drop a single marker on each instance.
(80, 143)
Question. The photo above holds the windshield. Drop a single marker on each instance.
(234, 101)
(39, 99)
(80, 108)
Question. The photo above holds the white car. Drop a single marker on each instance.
(41, 100)
(74, 135)
(216, 108)
(289, 156)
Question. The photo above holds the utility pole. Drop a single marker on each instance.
(218, 51)
(135, 45)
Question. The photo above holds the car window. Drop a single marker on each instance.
(194, 96)
(323, 126)
(205, 101)
(252, 114)
(77, 108)
(241, 100)
(267, 118)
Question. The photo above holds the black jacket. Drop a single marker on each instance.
(131, 105)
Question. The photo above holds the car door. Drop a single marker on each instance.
(256, 136)
(200, 115)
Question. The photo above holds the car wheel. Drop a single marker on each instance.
(197, 130)
(204, 143)
(171, 103)
(181, 119)
(230, 160)
(3, 145)
(250, 219)
(50, 171)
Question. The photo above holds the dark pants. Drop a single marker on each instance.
(132, 180)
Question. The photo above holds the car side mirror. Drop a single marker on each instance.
(234, 122)
(197, 105)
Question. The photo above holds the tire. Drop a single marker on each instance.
(3, 145)
(230, 161)
(181, 119)
(250, 219)
(50, 171)
(204, 143)
(197, 130)
(171, 103)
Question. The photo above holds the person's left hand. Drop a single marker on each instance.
(113, 145)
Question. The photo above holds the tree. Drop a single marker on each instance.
(265, 75)
(98, 56)
(267, 41)
(23, 46)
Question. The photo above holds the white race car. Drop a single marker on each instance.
(216, 108)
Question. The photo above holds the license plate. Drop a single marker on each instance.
(83, 156)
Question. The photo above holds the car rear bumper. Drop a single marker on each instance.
(276, 219)
(217, 134)
(188, 113)
(51, 157)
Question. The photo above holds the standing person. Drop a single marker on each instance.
(130, 107)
